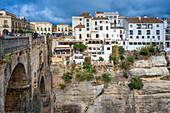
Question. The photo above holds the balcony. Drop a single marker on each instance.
(78, 57)
(5, 26)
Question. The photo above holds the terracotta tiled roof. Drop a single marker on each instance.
(85, 15)
(99, 12)
(80, 26)
(97, 18)
(144, 20)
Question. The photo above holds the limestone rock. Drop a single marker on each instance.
(150, 72)
(158, 61)
(143, 64)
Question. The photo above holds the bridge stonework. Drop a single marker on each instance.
(26, 80)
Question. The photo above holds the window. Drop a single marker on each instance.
(138, 26)
(98, 48)
(5, 22)
(58, 29)
(87, 20)
(107, 28)
(80, 23)
(158, 32)
(158, 37)
(89, 48)
(143, 37)
(101, 27)
(65, 29)
(95, 28)
(80, 19)
(100, 21)
(108, 48)
(87, 24)
(131, 37)
(89, 42)
(97, 35)
(95, 22)
(87, 29)
(79, 29)
(157, 25)
(148, 43)
(49, 29)
(94, 48)
(93, 42)
(107, 35)
(143, 43)
(106, 21)
(88, 35)
(135, 43)
(37, 29)
(148, 32)
(153, 36)
(148, 37)
(130, 43)
(131, 25)
(61, 29)
(41, 29)
(80, 36)
(139, 43)
(137, 37)
(97, 42)
(131, 32)
(139, 32)
(115, 16)
(110, 16)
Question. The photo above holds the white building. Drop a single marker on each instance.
(43, 27)
(99, 33)
(143, 31)
(166, 34)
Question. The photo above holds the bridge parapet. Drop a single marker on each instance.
(11, 44)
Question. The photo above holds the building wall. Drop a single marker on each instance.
(43, 27)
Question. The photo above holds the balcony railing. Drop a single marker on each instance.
(5, 26)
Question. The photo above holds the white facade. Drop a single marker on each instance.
(143, 32)
(167, 35)
(43, 27)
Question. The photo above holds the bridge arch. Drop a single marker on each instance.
(16, 94)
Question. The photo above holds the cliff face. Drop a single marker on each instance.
(154, 97)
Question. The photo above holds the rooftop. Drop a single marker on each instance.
(85, 15)
(80, 26)
(143, 20)
(100, 18)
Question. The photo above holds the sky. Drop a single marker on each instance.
(61, 11)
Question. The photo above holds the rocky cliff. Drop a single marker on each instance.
(154, 97)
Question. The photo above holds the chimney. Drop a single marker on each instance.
(145, 16)
(157, 17)
(139, 17)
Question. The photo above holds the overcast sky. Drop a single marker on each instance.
(61, 11)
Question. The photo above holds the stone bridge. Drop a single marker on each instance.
(25, 80)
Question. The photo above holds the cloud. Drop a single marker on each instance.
(61, 11)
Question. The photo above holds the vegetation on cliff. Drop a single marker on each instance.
(135, 83)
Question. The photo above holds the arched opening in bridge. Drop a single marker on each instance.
(15, 98)
(5, 31)
(42, 86)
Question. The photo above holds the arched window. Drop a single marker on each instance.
(45, 29)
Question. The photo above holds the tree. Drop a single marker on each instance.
(121, 57)
(20, 31)
(121, 49)
(135, 83)
(106, 77)
(80, 46)
(101, 59)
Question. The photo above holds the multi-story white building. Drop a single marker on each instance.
(43, 27)
(99, 33)
(143, 31)
(166, 34)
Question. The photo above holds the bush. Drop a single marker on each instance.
(121, 49)
(106, 77)
(80, 76)
(67, 77)
(79, 46)
(62, 86)
(151, 49)
(6, 58)
(125, 75)
(20, 31)
(130, 59)
(121, 57)
(87, 60)
(125, 65)
(101, 59)
(144, 51)
(90, 76)
(135, 83)
(98, 78)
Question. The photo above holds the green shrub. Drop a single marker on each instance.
(97, 77)
(106, 77)
(101, 59)
(121, 57)
(144, 51)
(130, 59)
(125, 75)
(67, 77)
(151, 49)
(87, 60)
(80, 76)
(6, 58)
(121, 49)
(125, 65)
(135, 83)
(62, 86)
(20, 31)
(90, 76)
(79, 46)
